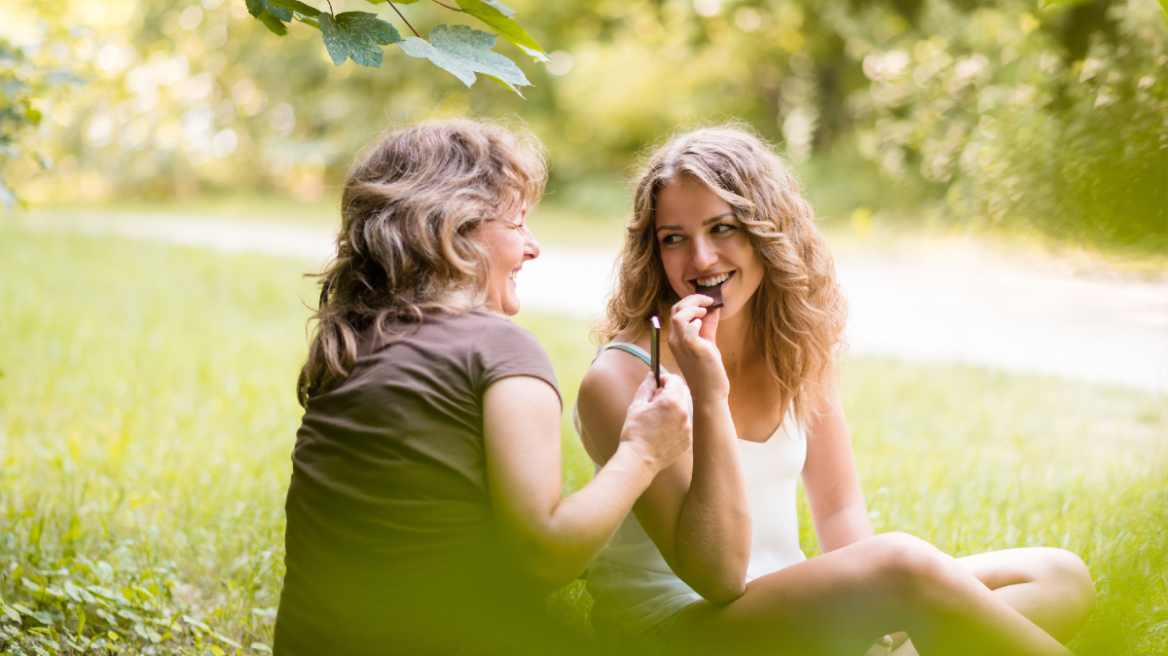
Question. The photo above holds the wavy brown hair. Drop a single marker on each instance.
(411, 206)
(800, 311)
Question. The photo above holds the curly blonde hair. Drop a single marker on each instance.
(799, 308)
(410, 209)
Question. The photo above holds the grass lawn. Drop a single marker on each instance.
(147, 415)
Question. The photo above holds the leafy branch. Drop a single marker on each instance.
(24, 81)
(460, 50)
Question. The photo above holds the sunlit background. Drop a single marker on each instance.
(956, 111)
(992, 178)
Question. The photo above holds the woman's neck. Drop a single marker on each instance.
(736, 343)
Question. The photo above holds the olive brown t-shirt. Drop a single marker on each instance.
(390, 537)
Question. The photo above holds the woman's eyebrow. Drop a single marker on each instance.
(709, 221)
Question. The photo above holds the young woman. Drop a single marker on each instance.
(710, 561)
(424, 512)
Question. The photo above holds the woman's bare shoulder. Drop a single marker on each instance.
(606, 392)
(614, 367)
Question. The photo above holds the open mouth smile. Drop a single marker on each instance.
(712, 286)
(715, 281)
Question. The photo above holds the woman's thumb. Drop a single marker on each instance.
(646, 389)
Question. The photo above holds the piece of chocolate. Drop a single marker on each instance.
(714, 292)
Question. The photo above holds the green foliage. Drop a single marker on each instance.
(463, 52)
(27, 78)
(216, 104)
(458, 50)
(298, 7)
(356, 35)
(273, 17)
(258, 8)
(990, 108)
(500, 18)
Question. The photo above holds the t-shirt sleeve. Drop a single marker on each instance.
(505, 349)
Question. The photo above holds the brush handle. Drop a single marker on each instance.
(655, 350)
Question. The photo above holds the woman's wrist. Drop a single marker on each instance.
(636, 457)
(712, 387)
(711, 404)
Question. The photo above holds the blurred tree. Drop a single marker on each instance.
(31, 74)
(1055, 121)
(995, 114)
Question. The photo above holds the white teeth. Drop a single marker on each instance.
(514, 274)
(710, 282)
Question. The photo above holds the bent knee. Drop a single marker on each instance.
(1068, 575)
(910, 566)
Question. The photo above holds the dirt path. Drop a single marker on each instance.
(947, 304)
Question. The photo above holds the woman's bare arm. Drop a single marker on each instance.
(695, 511)
(829, 475)
(560, 537)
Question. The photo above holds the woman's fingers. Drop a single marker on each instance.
(674, 384)
(692, 332)
(693, 300)
(687, 327)
(691, 340)
(645, 390)
(692, 319)
(659, 420)
(675, 392)
(687, 314)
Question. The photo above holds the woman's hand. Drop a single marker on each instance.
(691, 340)
(658, 424)
(560, 537)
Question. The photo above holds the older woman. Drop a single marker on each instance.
(722, 242)
(424, 512)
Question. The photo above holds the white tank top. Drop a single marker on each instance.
(633, 587)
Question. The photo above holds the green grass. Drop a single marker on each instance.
(147, 416)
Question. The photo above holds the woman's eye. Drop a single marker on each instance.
(670, 239)
(723, 228)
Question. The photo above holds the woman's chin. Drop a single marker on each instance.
(511, 307)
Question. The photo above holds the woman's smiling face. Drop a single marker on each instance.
(509, 244)
(701, 241)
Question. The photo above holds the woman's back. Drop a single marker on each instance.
(390, 531)
(425, 512)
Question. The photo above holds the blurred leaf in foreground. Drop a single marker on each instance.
(461, 50)
(357, 35)
(505, 26)
(272, 16)
(464, 51)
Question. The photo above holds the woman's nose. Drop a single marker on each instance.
(705, 256)
(530, 246)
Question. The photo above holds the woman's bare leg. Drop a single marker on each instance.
(841, 602)
(1050, 587)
